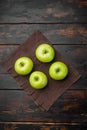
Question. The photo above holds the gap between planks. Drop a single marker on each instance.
(14, 44)
(71, 89)
(15, 23)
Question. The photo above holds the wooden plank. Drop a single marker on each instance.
(12, 126)
(56, 33)
(6, 50)
(7, 82)
(43, 11)
(18, 106)
(75, 54)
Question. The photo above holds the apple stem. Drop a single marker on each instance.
(22, 64)
(57, 70)
(36, 78)
(45, 51)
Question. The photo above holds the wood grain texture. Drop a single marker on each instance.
(64, 23)
(42, 11)
(18, 126)
(56, 33)
(17, 106)
(79, 2)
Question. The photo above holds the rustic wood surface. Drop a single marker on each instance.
(64, 23)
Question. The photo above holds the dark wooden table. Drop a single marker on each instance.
(64, 23)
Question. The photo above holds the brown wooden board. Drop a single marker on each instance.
(56, 33)
(16, 105)
(40, 126)
(43, 11)
(64, 23)
(46, 97)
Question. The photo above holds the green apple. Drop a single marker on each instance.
(45, 53)
(23, 65)
(58, 70)
(38, 79)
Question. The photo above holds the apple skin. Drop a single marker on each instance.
(23, 65)
(58, 70)
(38, 80)
(45, 53)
